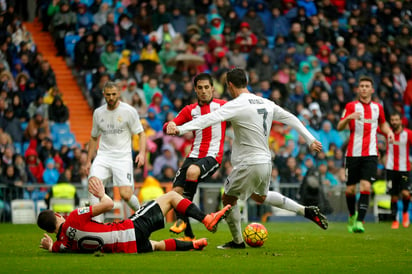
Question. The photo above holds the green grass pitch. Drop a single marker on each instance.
(298, 247)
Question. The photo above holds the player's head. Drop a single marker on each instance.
(111, 94)
(47, 220)
(365, 87)
(237, 77)
(395, 121)
(203, 84)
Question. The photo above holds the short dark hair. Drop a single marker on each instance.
(110, 85)
(366, 78)
(203, 76)
(395, 113)
(237, 77)
(47, 220)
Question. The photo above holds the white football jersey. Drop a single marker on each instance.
(251, 117)
(115, 128)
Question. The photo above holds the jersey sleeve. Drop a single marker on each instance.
(95, 129)
(381, 118)
(285, 117)
(347, 111)
(225, 113)
(409, 135)
(134, 122)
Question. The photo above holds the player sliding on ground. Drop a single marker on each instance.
(79, 233)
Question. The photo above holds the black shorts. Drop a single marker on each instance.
(361, 168)
(147, 219)
(397, 181)
(207, 165)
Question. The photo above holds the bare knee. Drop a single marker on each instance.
(229, 200)
(178, 189)
(258, 198)
(193, 173)
(126, 192)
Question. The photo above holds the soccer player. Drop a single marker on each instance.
(79, 233)
(363, 117)
(251, 117)
(115, 123)
(397, 169)
(207, 149)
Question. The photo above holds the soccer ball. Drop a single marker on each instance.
(255, 234)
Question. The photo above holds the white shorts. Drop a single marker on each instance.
(245, 180)
(119, 170)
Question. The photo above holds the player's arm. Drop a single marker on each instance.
(46, 242)
(140, 158)
(225, 113)
(91, 152)
(97, 189)
(182, 117)
(288, 118)
(347, 116)
(387, 131)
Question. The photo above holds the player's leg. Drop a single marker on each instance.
(182, 205)
(276, 199)
(123, 178)
(406, 197)
(352, 178)
(393, 189)
(101, 170)
(241, 183)
(177, 245)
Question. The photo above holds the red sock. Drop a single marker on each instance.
(170, 245)
(183, 205)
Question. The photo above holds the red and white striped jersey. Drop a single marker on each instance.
(363, 140)
(208, 141)
(79, 233)
(397, 153)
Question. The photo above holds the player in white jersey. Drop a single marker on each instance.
(115, 123)
(251, 117)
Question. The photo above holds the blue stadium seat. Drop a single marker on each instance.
(67, 139)
(120, 45)
(57, 129)
(70, 41)
(87, 2)
(88, 81)
(24, 125)
(18, 147)
(271, 41)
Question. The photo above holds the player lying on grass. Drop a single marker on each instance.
(79, 233)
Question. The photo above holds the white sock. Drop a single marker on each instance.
(278, 200)
(233, 221)
(94, 200)
(134, 203)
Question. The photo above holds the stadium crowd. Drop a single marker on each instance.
(304, 55)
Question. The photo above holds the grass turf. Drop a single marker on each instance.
(298, 247)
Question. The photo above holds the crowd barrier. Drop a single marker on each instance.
(207, 197)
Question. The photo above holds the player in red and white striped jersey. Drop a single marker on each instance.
(79, 233)
(397, 169)
(207, 148)
(363, 117)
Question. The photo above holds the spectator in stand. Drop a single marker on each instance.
(36, 123)
(110, 58)
(84, 17)
(245, 38)
(45, 77)
(58, 111)
(14, 190)
(50, 174)
(64, 21)
(108, 30)
(168, 158)
(12, 126)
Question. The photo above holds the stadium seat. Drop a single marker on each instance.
(70, 41)
(271, 41)
(88, 80)
(120, 45)
(381, 200)
(40, 206)
(23, 212)
(18, 148)
(58, 129)
(67, 139)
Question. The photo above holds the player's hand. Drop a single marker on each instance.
(140, 159)
(391, 137)
(355, 116)
(86, 168)
(316, 146)
(171, 128)
(46, 242)
(96, 187)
